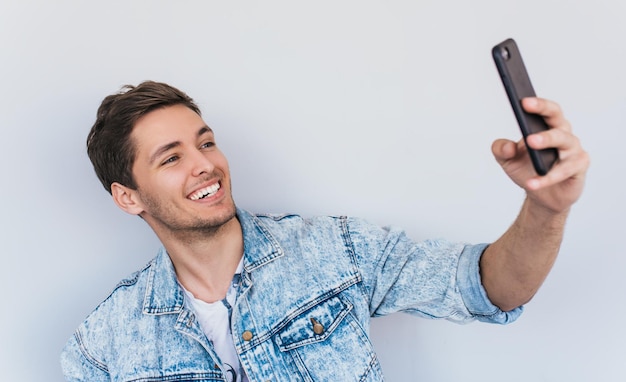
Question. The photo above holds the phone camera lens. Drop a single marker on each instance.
(505, 53)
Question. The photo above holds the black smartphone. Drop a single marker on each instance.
(517, 84)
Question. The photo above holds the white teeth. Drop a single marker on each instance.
(203, 193)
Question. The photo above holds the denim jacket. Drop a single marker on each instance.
(308, 290)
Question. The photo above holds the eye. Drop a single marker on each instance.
(169, 160)
(207, 145)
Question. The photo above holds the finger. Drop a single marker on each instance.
(504, 149)
(549, 110)
(541, 106)
(570, 168)
(557, 138)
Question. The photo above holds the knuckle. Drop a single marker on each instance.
(586, 158)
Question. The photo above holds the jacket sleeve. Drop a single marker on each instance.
(432, 279)
(78, 365)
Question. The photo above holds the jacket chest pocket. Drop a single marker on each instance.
(314, 325)
(326, 343)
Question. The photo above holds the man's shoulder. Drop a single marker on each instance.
(295, 219)
(127, 296)
(126, 284)
(291, 225)
(113, 326)
(279, 224)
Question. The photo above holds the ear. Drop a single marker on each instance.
(126, 198)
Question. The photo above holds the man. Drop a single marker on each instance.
(234, 296)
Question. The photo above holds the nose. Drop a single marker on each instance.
(201, 163)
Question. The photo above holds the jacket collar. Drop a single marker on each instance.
(165, 295)
(259, 245)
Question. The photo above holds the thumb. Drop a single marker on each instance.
(504, 149)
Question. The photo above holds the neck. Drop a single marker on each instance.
(206, 262)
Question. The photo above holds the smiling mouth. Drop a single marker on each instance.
(207, 191)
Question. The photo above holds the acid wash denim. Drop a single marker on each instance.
(308, 290)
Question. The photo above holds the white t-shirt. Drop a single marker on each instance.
(214, 318)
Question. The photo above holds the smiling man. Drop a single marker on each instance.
(236, 296)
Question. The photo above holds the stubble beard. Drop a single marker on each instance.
(163, 215)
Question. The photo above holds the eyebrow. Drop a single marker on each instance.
(168, 146)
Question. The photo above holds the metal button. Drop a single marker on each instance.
(317, 327)
(247, 335)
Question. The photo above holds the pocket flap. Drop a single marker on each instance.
(313, 325)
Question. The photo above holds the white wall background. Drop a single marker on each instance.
(384, 110)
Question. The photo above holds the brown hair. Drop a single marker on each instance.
(109, 143)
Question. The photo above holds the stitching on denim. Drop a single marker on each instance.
(89, 357)
(181, 377)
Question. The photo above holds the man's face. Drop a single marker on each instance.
(183, 181)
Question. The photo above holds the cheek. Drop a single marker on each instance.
(162, 184)
(170, 181)
(222, 162)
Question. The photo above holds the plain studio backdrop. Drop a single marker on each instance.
(380, 109)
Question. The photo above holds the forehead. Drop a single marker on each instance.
(176, 119)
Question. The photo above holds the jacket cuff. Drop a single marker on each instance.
(474, 294)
